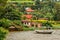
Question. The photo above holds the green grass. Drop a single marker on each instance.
(28, 29)
(57, 26)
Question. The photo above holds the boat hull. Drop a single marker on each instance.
(44, 31)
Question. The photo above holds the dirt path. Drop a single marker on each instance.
(31, 35)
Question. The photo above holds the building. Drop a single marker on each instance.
(29, 22)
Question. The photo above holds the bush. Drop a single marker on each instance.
(3, 33)
(12, 12)
(47, 24)
(39, 20)
(17, 22)
(44, 22)
(31, 29)
(53, 22)
(26, 26)
(57, 22)
(5, 23)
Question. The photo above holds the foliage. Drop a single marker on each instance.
(56, 26)
(44, 22)
(52, 22)
(2, 7)
(57, 15)
(49, 16)
(37, 15)
(17, 22)
(21, 0)
(25, 26)
(37, 3)
(40, 21)
(5, 23)
(2, 4)
(3, 33)
(47, 24)
(28, 29)
(48, 9)
(12, 13)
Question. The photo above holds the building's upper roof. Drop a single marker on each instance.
(28, 9)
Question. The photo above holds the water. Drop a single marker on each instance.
(31, 35)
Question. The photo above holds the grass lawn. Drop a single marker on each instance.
(57, 26)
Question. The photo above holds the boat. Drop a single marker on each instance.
(44, 31)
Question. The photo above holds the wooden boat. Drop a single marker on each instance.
(44, 31)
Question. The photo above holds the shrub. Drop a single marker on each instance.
(12, 12)
(31, 29)
(5, 23)
(26, 26)
(44, 22)
(57, 22)
(17, 22)
(53, 22)
(41, 21)
(3, 33)
(47, 24)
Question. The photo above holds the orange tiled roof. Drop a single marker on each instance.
(28, 16)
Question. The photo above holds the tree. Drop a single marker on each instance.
(49, 16)
(12, 12)
(57, 15)
(2, 7)
(37, 3)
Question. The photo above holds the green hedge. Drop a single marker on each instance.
(3, 33)
(44, 22)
